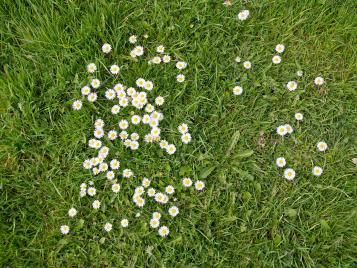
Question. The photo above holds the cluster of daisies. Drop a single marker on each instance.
(146, 116)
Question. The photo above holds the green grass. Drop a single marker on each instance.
(248, 214)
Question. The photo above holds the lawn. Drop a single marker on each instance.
(248, 214)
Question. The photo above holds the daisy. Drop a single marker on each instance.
(159, 197)
(112, 135)
(149, 108)
(124, 223)
(237, 59)
(280, 48)
(276, 59)
(123, 135)
(87, 164)
(123, 124)
(299, 73)
(106, 48)
(92, 97)
(133, 39)
(140, 202)
(103, 167)
(146, 182)
(289, 129)
(199, 185)
(91, 191)
(156, 215)
(173, 211)
(149, 85)
(98, 133)
(131, 91)
(139, 50)
(319, 81)
(155, 132)
(289, 174)
(317, 171)
(124, 102)
(95, 83)
(116, 187)
(64, 229)
(95, 171)
(139, 190)
(292, 85)
(134, 145)
(154, 223)
(247, 65)
(181, 65)
(322, 146)
(280, 162)
(171, 149)
(127, 173)
(243, 15)
(186, 182)
(114, 69)
(186, 138)
(72, 212)
(299, 116)
(85, 90)
(237, 90)
(148, 138)
(164, 231)
(133, 54)
(140, 82)
(180, 78)
(169, 189)
(83, 193)
(160, 49)
(110, 175)
(77, 105)
(91, 68)
(108, 227)
(114, 164)
(159, 100)
(151, 192)
(96, 204)
(163, 144)
(135, 119)
(104, 151)
(166, 58)
(281, 130)
(183, 128)
(99, 123)
(156, 60)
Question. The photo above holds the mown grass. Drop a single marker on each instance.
(248, 215)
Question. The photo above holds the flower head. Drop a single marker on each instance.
(243, 15)
(280, 48)
(164, 231)
(319, 81)
(317, 171)
(289, 174)
(108, 227)
(91, 68)
(64, 229)
(280, 162)
(322, 146)
(106, 48)
(237, 90)
(77, 105)
(72, 212)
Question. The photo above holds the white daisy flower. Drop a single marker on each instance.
(98, 133)
(72, 212)
(173, 211)
(108, 227)
(164, 231)
(87, 164)
(91, 191)
(169, 189)
(127, 173)
(322, 146)
(96, 204)
(243, 15)
(112, 135)
(139, 190)
(99, 123)
(156, 60)
(77, 105)
(114, 164)
(103, 167)
(139, 50)
(140, 82)
(276, 59)
(280, 48)
(148, 138)
(163, 144)
(237, 90)
(83, 193)
(292, 85)
(134, 145)
(151, 192)
(85, 90)
(280, 162)
(289, 129)
(92, 97)
(133, 54)
(186, 182)
(299, 116)
(281, 130)
(299, 73)
(64, 229)
(317, 171)
(95, 171)
(183, 128)
(139, 201)
(186, 138)
(116, 187)
(247, 65)
(166, 58)
(149, 108)
(319, 81)
(110, 175)
(135, 119)
(91, 68)
(114, 69)
(124, 223)
(289, 174)
(181, 65)
(131, 91)
(149, 85)
(123, 135)
(156, 215)
(133, 39)
(146, 182)
(154, 223)
(159, 100)
(199, 185)
(123, 124)
(106, 48)
(155, 132)
(124, 102)
(237, 59)
(171, 149)
(160, 49)
(180, 78)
